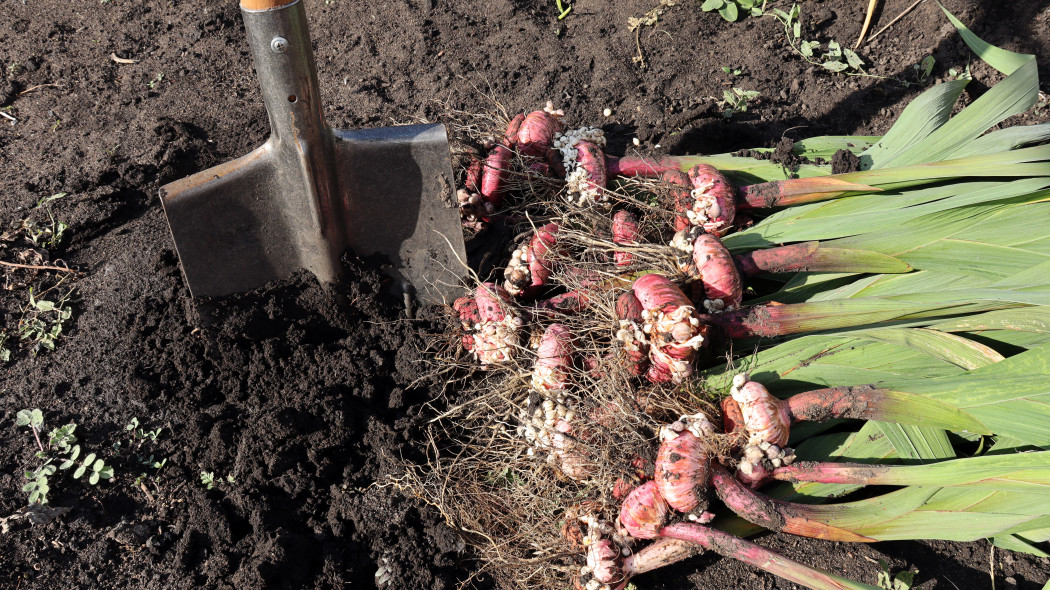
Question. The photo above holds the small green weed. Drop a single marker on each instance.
(563, 10)
(60, 446)
(923, 69)
(210, 481)
(142, 434)
(140, 438)
(46, 235)
(1041, 107)
(901, 581)
(43, 320)
(735, 101)
(966, 75)
(5, 352)
(733, 71)
(832, 57)
(156, 80)
(732, 10)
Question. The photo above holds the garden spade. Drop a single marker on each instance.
(311, 192)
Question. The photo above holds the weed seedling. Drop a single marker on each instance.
(5, 352)
(731, 10)
(60, 445)
(34, 419)
(49, 235)
(563, 11)
(833, 58)
(923, 69)
(735, 101)
(43, 320)
(732, 71)
(156, 80)
(955, 74)
(901, 581)
(210, 481)
(140, 437)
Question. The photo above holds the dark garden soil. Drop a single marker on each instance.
(300, 394)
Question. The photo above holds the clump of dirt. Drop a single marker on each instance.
(844, 161)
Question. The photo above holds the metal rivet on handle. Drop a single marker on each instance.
(279, 45)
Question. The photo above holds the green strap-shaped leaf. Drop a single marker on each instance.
(922, 116)
(1005, 61)
(957, 350)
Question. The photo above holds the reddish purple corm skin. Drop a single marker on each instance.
(766, 418)
(467, 308)
(553, 359)
(536, 134)
(603, 557)
(680, 189)
(681, 473)
(591, 158)
(495, 173)
(473, 183)
(566, 303)
(491, 300)
(527, 275)
(719, 197)
(540, 265)
(675, 332)
(644, 512)
(717, 271)
(656, 293)
(510, 138)
(732, 418)
(624, 233)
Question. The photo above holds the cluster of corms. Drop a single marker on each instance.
(658, 333)
(670, 508)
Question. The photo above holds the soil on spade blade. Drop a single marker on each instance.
(298, 398)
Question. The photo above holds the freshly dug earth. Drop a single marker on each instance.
(299, 398)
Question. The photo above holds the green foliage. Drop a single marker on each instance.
(141, 433)
(901, 581)
(62, 438)
(32, 418)
(94, 467)
(732, 10)
(140, 437)
(924, 68)
(38, 485)
(735, 101)
(210, 481)
(60, 446)
(832, 57)
(49, 234)
(563, 11)
(5, 352)
(43, 320)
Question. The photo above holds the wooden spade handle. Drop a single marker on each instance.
(264, 4)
